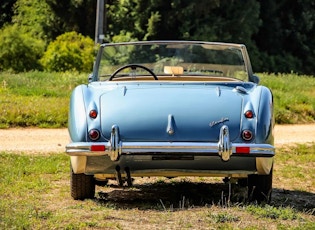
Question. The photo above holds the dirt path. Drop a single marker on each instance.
(289, 134)
(34, 140)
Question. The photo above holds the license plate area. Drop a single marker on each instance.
(172, 157)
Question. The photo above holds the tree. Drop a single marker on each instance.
(23, 40)
(212, 20)
(73, 15)
(19, 50)
(280, 35)
(287, 36)
(70, 51)
(6, 11)
(208, 20)
(35, 17)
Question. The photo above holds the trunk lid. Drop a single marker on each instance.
(150, 113)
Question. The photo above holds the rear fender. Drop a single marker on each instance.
(265, 119)
(78, 123)
(77, 120)
(260, 100)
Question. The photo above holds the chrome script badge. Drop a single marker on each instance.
(223, 119)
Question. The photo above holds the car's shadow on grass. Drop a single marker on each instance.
(298, 200)
(177, 195)
(162, 195)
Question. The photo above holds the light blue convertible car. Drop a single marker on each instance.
(171, 108)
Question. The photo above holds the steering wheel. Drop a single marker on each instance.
(133, 67)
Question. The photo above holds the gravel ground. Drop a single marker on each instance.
(34, 140)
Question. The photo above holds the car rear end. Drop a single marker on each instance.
(136, 128)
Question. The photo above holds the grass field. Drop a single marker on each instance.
(35, 194)
(41, 99)
(36, 98)
(294, 97)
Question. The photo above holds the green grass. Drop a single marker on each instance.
(272, 212)
(35, 194)
(296, 165)
(36, 98)
(41, 99)
(25, 185)
(294, 97)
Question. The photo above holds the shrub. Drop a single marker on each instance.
(70, 51)
(19, 51)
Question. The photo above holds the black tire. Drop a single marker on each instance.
(260, 188)
(82, 186)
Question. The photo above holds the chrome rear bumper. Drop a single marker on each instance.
(115, 148)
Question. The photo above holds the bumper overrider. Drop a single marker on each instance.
(114, 148)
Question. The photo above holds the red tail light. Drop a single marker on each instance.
(247, 135)
(98, 148)
(93, 114)
(249, 114)
(94, 134)
(244, 150)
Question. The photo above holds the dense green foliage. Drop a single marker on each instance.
(73, 15)
(35, 17)
(286, 38)
(19, 51)
(70, 51)
(33, 29)
(6, 11)
(188, 20)
(41, 99)
(280, 35)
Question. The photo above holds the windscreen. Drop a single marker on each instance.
(213, 60)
